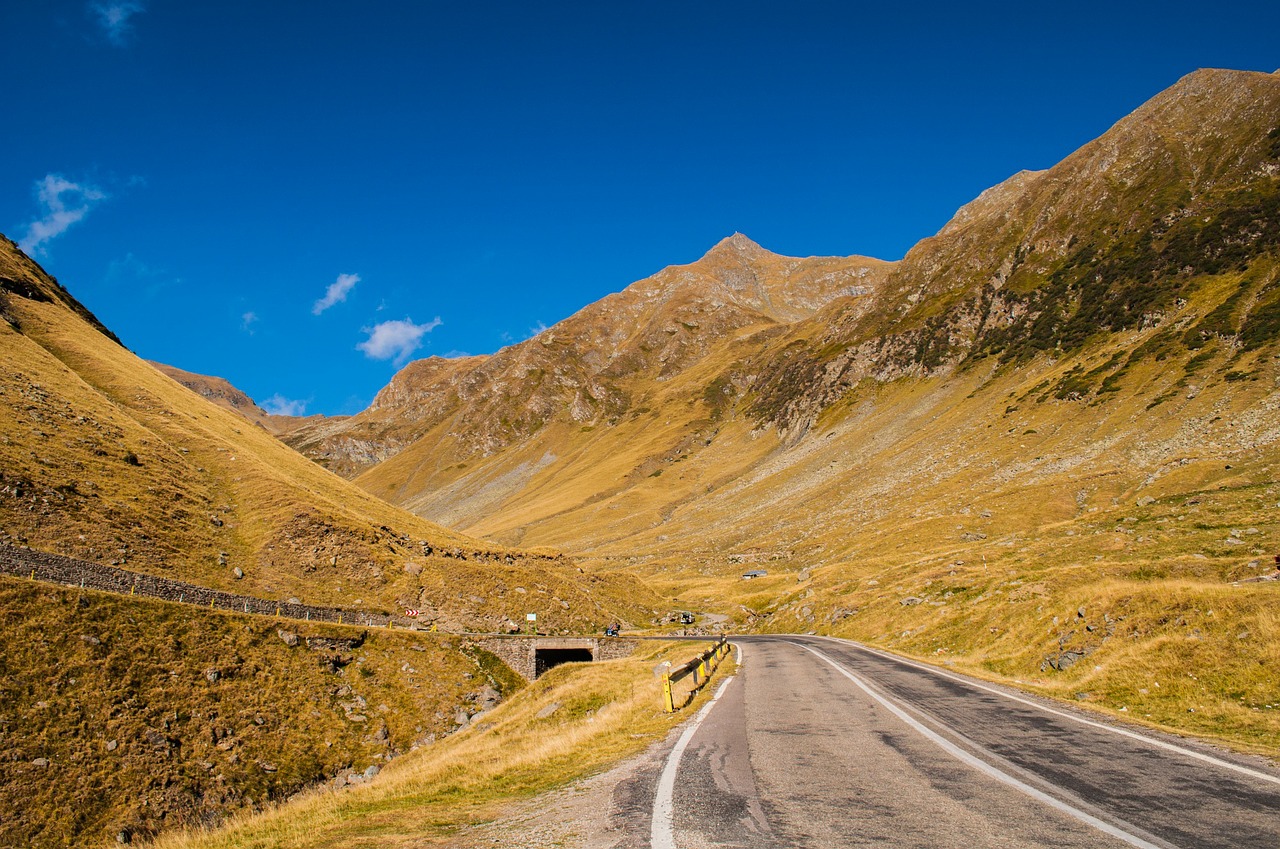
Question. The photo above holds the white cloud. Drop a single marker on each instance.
(113, 18)
(62, 203)
(536, 329)
(396, 340)
(336, 293)
(247, 321)
(278, 405)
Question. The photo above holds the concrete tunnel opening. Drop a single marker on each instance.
(544, 659)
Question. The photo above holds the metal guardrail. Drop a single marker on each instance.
(701, 668)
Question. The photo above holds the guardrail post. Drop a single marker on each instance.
(666, 692)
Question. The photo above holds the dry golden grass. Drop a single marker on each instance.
(152, 714)
(606, 711)
(997, 507)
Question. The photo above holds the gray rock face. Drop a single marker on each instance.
(488, 697)
(1063, 660)
(371, 771)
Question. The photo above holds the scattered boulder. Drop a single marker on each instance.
(156, 740)
(290, 639)
(1062, 661)
(40, 762)
(548, 710)
(212, 675)
(910, 600)
(1145, 500)
(238, 572)
(488, 697)
(371, 771)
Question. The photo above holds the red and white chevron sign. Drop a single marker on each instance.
(411, 612)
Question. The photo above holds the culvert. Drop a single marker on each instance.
(546, 658)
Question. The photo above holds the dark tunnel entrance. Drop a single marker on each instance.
(544, 659)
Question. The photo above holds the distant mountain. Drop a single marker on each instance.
(221, 392)
(1135, 233)
(592, 370)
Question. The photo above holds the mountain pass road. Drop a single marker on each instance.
(824, 743)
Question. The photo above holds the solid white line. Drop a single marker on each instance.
(662, 834)
(981, 765)
(1159, 744)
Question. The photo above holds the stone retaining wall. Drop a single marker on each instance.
(517, 651)
(43, 566)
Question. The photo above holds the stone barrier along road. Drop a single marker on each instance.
(43, 566)
(517, 650)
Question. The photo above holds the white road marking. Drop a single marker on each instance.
(1123, 732)
(662, 834)
(981, 765)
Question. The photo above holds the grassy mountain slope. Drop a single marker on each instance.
(131, 716)
(123, 715)
(105, 458)
(1042, 446)
(440, 418)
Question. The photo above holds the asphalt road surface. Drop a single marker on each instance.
(822, 743)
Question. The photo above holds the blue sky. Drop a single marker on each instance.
(302, 196)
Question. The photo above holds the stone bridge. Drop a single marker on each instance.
(529, 657)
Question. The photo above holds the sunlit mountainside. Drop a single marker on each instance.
(123, 716)
(1042, 447)
(1066, 400)
(109, 460)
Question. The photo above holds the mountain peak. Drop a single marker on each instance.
(736, 245)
